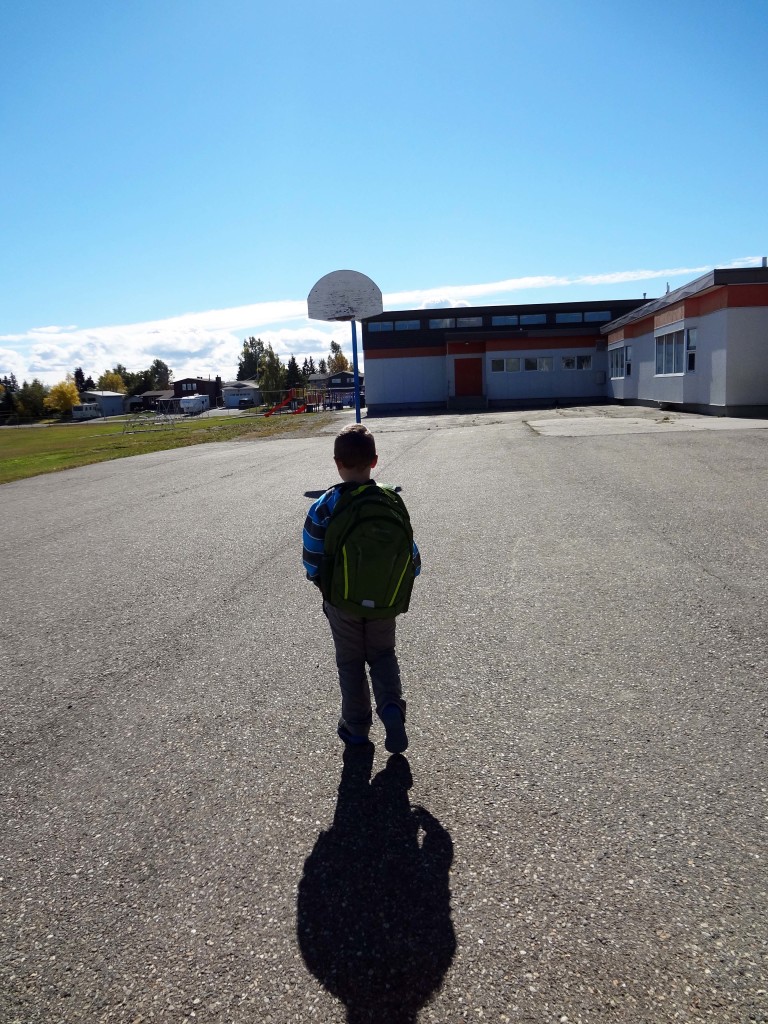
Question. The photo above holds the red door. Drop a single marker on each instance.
(469, 377)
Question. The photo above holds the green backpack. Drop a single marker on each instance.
(367, 566)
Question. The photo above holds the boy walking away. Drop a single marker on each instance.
(359, 550)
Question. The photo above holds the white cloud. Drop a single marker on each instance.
(208, 343)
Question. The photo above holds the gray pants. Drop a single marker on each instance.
(358, 641)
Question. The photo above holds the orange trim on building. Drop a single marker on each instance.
(734, 296)
(670, 315)
(461, 348)
(405, 353)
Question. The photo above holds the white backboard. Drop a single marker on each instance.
(344, 295)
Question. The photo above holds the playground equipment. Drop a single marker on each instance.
(298, 400)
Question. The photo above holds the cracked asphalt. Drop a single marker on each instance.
(577, 832)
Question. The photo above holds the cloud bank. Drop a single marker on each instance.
(208, 343)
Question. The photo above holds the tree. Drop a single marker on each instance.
(63, 396)
(337, 361)
(322, 367)
(308, 368)
(8, 388)
(272, 371)
(249, 363)
(29, 400)
(161, 375)
(293, 375)
(79, 378)
(110, 380)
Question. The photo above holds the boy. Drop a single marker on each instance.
(360, 638)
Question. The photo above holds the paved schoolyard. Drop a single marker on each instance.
(578, 831)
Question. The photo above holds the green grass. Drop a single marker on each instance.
(29, 451)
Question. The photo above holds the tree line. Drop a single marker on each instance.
(257, 362)
(36, 400)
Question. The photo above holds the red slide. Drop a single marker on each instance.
(285, 401)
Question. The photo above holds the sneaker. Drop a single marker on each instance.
(350, 738)
(394, 724)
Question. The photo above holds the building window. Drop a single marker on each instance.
(469, 321)
(616, 362)
(444, 322)
(511, 365)
(597, 316)
(379, 325)
(628, 360)
(577, 362)
(670, 350)
(543, 363)
(504, 321)
(533, 318)
(567, 318)
(407, 325)
(690, 342)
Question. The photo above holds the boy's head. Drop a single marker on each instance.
(354, 452)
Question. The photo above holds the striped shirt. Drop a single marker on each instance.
(315, 526)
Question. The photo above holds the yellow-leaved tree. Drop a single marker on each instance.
(111, 381)
(337, 361)
(63, 396)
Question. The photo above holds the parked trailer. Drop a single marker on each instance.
(86, 411)
(191, 405)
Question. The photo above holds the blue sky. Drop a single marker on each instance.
(177, 174)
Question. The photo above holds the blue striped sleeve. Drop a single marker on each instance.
(315, 526)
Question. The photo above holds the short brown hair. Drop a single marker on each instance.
(355, 447)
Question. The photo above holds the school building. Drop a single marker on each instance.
(702, 347)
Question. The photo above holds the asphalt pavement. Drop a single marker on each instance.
(577, 832)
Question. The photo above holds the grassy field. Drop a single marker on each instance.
(29, 451)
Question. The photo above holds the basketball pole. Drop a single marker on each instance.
(354, 371)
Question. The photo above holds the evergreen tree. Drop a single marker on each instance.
(293, 375)
(79, 378)
(9, 388)
(322, 366)
(29, 400)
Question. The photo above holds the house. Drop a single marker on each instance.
(338, 388)
(153, 401)
(241, 394)
(110, 403)
(199, 386)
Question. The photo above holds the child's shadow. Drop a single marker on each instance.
(374, 916)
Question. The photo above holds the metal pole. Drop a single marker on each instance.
(356, 374)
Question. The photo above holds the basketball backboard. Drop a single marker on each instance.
(344, 295)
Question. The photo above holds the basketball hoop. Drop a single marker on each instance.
(346, 295)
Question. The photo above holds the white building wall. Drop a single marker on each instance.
(747, 370)
(555, 383)
(408, 379)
